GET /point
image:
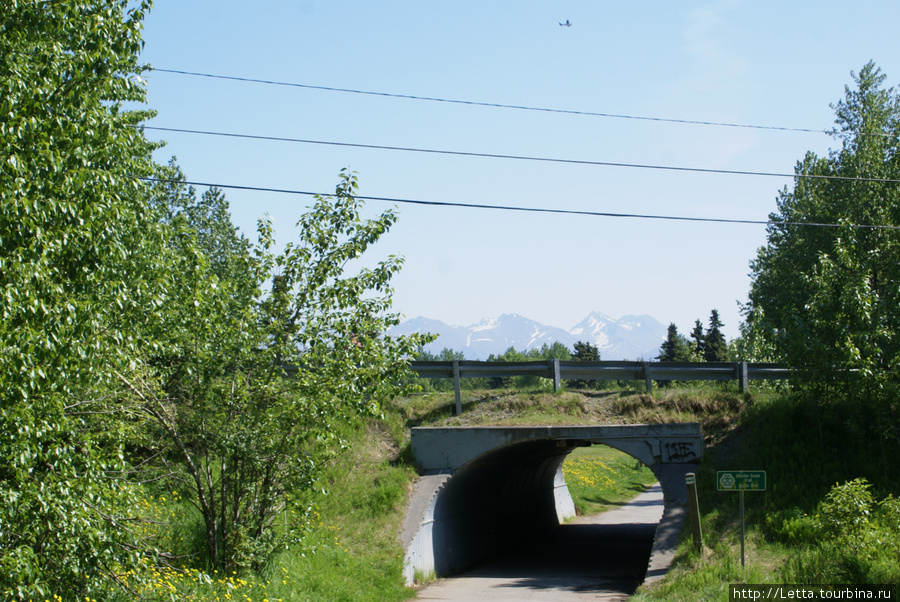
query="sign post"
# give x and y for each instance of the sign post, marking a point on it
(690, 481)
(741, 481)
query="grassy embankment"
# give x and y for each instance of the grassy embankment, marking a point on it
(799, 531)
(352, 550)
(601, 478)
(816, 523)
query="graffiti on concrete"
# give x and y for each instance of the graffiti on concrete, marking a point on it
(677, 452)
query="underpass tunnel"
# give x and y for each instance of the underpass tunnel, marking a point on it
(485, 490)
(511, 497)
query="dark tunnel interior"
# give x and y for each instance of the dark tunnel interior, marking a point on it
(499, 501)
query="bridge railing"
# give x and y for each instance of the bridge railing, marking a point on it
(559, 370)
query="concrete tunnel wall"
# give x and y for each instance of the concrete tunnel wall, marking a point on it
(509, 490)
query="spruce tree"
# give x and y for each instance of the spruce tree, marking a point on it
(675, 348)
(715, 348)
(697, 337)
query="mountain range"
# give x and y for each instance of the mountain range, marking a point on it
(626, 338)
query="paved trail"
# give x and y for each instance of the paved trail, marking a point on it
(600, 557)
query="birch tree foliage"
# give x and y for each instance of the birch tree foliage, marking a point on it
(135, 325)
(826, 300)
(258, 361)
(75, 280)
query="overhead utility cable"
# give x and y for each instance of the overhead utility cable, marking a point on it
(500, 105)
(515, 157)
(522, 209)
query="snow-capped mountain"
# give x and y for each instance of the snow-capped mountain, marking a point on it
(451, 337)
(628, 338)
(496, 335)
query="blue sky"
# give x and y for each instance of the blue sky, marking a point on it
(762, 63)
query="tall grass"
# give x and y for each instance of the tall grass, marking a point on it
(352, 550)
(828, 514)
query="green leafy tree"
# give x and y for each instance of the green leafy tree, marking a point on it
(510, 355)
(448, 355)
(548, 352)
(244, 395)
(536, 354)
(750, 345)
(675, 348)
(422, 355)
(556, 351)
(715, 347)
(825, 300)
(583, 352)
(77, 265)
(204, 224)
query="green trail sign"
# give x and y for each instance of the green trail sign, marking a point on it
(741, 480)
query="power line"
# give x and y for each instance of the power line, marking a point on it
(515, 157)
(519, 208)
(497, 105)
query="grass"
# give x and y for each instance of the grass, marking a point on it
(812, 457)
(715, 405)
(352, 550)
(601, 478)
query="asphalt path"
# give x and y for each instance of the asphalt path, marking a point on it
(600, 557)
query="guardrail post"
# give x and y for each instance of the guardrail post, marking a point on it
(557, 383)
(456, 387)
(743, 377)
(647, 380)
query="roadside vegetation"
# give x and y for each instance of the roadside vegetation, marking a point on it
(810, 526)
(350, 549)
(822, 300)
(829, 514)
(188, 414)
(176, 397)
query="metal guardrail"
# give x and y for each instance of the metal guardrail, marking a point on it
(558, 370)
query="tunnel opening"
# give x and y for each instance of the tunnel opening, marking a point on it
(498, 494)
(600, 477)
(511, 510)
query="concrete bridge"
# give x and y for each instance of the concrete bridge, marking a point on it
(487, 487)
